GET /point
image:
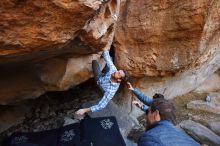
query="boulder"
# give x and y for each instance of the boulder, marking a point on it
(215, 126)
(213, 105)
(161, 37)
(200, 133)
(170, 47)
(49, 45)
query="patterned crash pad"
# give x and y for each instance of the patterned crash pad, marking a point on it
(65, 136)
(102, 131)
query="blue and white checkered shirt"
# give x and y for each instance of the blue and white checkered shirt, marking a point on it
(106, 84)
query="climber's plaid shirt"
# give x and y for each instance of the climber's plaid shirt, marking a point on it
(106, 84)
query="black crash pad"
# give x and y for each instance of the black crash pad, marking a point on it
(65, 136)
(102, 131)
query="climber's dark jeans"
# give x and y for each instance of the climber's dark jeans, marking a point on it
(97, 72)
(96, 69)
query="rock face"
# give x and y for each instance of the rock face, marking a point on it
(170, 46)
(161, 37)
(32, 26)
(32, 80)
(42, 28)
(211, 84)
(49, 45)
(175, 43)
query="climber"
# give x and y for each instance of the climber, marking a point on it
(108, 82)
